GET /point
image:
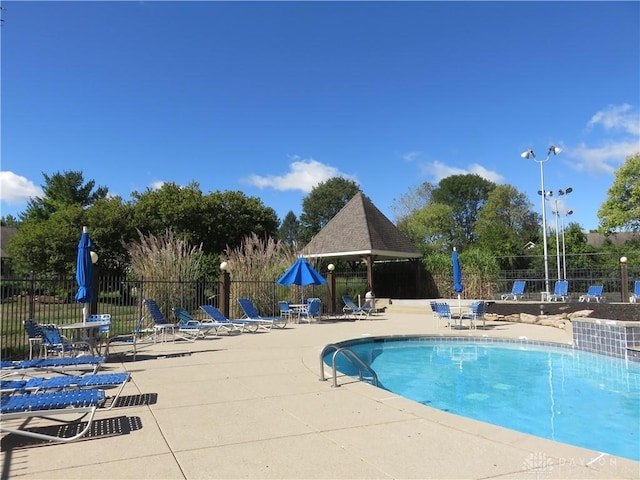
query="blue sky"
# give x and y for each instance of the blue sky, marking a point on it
(271, 98)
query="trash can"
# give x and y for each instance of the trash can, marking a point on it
(370, 300)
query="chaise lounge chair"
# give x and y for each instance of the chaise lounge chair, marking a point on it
(66, 382)
(50, 405)
(160, 324)
(242, 324)
(189, 325)
(251, 312)
(560, 291)
(57, 365)
(350, 308)
(517, 291)
(594, 292)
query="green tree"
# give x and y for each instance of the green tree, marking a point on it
(466, 194)
(621, 209)
(321, 205)
(216, 220)
(289, 231)
(505, 224)
(61, 190)
(48, 245)
(415, 199)
(9, 221)
(431, 228)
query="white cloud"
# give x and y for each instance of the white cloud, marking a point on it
(617, 117)
(303, 175)
(439, 170)
(622, 126)
(157, 185)
(15, 189)
(411, 156)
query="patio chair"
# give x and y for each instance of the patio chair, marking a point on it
(311, 311)
(635, 296)
(286, 311)
(560, 291)
(478, 309)
(66, 382)
(443, 312)
(50, 405)
(517, 291)
(242, 324)
(594, 292)
(160, 324)
(54, 342)
(101, 334)
(350, 308)
(251, 312)
(201, 329)
(34, 333)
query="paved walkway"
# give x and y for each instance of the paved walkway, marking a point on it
(251, 406)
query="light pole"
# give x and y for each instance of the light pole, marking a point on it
(556, 212)
(530, 154)
(564, 252)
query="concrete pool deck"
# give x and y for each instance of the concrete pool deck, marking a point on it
(252, 406)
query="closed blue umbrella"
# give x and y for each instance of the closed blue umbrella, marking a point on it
(84, 272)
(457, 277)
(301, 273)
(457, 273)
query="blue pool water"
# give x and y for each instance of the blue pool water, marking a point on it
(570, 396)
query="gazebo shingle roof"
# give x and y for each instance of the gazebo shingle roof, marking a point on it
(360, 230)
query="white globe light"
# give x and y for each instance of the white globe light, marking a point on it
(224, 266)
(94, 257)
(331, 267)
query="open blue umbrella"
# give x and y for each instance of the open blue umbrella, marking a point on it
(301, 273)
(84, 272)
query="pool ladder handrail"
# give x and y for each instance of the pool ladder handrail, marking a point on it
(349, 355)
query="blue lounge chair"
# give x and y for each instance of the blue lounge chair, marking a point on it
(560, 291)
(594, 292)
(350, 308)
(243, 324)
(66, 382)
(160, 324)
(57, 365)
(132, 339)
(189, 325)
(635, 296)
(251, 312)
(517, 291)
(17, 410)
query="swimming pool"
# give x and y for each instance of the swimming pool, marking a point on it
(562, 394)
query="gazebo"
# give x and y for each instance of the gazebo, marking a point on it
(361, 232)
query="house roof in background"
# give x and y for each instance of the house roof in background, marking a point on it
(360, 230)
(615, 238)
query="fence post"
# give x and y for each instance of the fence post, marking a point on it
(32, 296)
(625, 279)
(224, 288)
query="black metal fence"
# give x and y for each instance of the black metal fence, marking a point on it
(51, 300)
